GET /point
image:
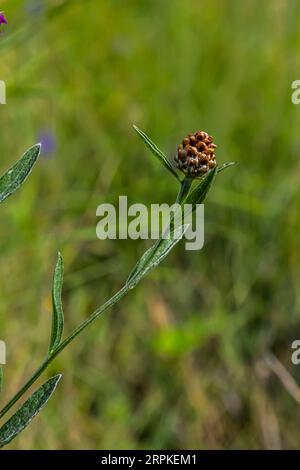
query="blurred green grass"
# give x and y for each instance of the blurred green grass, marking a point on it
(180, 363)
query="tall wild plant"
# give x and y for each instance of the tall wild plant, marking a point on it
(196, 159)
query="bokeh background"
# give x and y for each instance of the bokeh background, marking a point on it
(199, 355)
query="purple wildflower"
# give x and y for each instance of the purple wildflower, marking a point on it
(48, 142)
(3, 20)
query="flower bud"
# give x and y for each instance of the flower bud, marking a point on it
(195, 156)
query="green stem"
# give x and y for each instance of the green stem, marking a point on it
(112, 301)
(182, 193)
(184, 189)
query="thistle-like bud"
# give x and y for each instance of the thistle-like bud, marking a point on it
(195, 156)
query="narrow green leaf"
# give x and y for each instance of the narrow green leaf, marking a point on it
(224, 166)
(24, 415)
(57, 314)
(16, 175)
(141, 263)
(1, 378)
(155, 255)
(185, 187)
(164, 247)
(157, 152)
(198, 194)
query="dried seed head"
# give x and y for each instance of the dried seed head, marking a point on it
(196, 155)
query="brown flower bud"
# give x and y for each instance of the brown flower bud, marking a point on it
(195, 156)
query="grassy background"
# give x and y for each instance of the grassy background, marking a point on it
(188, 359)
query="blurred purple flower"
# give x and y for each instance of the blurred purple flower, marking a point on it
(3, 20)
(48, 143)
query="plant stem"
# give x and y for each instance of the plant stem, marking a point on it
(112, 301)
(183, 191)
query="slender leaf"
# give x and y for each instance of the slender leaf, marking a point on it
(224, 166)
(1, 378)
(141, 263)
(198, 194)
(57, 314)
(155, 255)
(185, 187)
(16, 175)
(24, 415)
(156, 152)
(163, 246)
